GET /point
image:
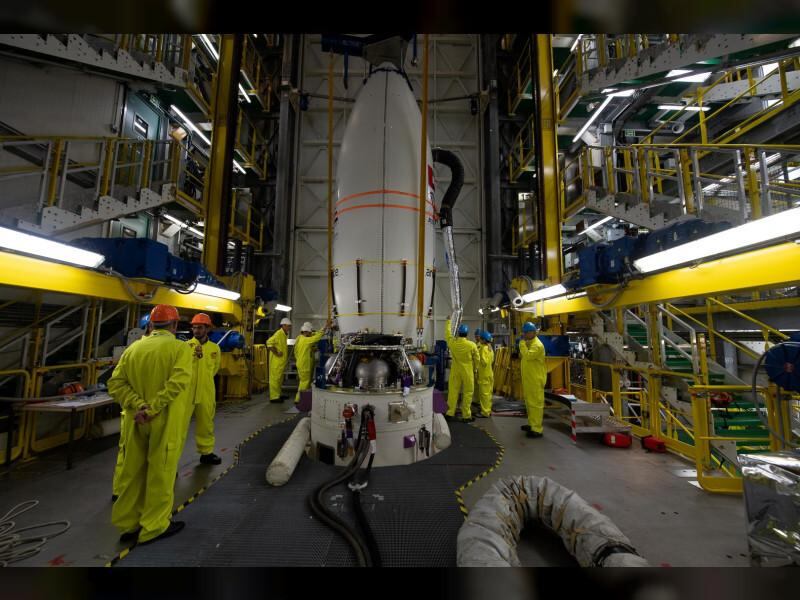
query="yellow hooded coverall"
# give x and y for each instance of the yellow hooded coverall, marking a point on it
(485, 378)
(202, 394)
(304, 358)
(277, 364)
(534, 376)
(156, 372)
(462, 372)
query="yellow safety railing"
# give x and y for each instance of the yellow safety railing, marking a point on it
(525, 230)
(258, 81)
(73, 171)
(251, 145)
(520, 82)
(522, 152)
(171, 50)
(746, 181)
(246, 224)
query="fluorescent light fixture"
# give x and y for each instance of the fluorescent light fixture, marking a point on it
(683, 107)
(597, 224)
(621, 94)
(575, 43)
(771, 103)
(768, 68)
(592, 119)
(239, 167)
(189, 124)
(544, 293)
(209, 290)
(255, 35)
(44, 248)
(283, 308)
(768, 229)
(555, 73)
(209, 45)
(246, 97)
(697, 78)
(247, 79)
(181, 224)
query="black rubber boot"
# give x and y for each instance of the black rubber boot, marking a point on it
(533, 434)
(210, 459)
(129, 536)
(174, 527)
(114, 497)
(525, 427)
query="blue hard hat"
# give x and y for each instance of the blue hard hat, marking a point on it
(478, 331)
(144, 321)
(463, 330)
(528, 327)
(486, 336)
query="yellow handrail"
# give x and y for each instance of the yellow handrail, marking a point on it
(761, 324)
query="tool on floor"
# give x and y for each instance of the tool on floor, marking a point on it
(14, 547)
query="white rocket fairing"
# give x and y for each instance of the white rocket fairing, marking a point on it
(376, 212)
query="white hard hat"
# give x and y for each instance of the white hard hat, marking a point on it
(306, 327)
(285, 321)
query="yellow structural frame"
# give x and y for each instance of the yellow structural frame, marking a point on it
(763, 268)
(34, 273)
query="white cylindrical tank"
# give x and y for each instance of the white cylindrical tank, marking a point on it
(376, 213)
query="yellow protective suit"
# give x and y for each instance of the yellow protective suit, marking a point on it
(485, 378)
(120, 456)
(464, 354)
(304, 358)
(155, 371)
(277, 364)
(202, 394)
(534, 375)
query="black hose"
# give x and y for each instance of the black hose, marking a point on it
(358, 286)
(316, 502)
(403, 292)
(433, 291)
(452, 161)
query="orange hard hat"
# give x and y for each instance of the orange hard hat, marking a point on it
(164, 313)
(202, 319)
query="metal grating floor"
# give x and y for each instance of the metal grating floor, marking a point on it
(243, 521)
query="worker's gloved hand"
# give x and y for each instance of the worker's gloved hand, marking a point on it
(277, 352)
(142, 417)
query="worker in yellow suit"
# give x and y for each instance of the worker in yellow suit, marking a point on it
(277, 357)
(151, 383)
(464, 354)
(121, 453)
(485, 374)
(205, 364)
(534, 376)
(304, 355)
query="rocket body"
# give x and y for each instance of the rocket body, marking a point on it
(376, 212)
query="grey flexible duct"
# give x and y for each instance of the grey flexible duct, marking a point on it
(489, 536)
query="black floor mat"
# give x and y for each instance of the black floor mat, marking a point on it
(243, 521)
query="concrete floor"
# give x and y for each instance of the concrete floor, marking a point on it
(669, 521)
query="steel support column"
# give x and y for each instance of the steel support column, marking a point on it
(224, 110)
(547, 158)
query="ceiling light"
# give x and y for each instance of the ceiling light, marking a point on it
(591, 120)
(246, 97)
(767, 229)
(622, 94)
(696, 78)
(795, 43)
(283, 308)
(189, 123)
(209, 290)
(44, 248)
(542, 294)
(575, 43)
(683, 107)
(239, 167)
(597, 224)
(209, 45)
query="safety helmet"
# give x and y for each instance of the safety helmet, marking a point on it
(286, 321)
(144, 321)
(307, 327)
(202, 319)
(463, 330)
(478, 332)
(529, 326)
(486, 336)
(164, 313)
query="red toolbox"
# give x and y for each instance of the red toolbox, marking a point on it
(617, 440)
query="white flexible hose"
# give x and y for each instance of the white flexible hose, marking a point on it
(281, 468)
(14, 547)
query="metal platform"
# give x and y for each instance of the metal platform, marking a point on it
(242, 521)
(586, 417)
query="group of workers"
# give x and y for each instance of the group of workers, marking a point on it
(160, 382)
(473, 362)
(278, 357)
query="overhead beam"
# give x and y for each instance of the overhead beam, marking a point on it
(33, 273)
(759, 269)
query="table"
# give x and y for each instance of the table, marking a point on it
(73, 405)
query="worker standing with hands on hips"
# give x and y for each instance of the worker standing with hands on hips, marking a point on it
(464, 354)
(206, 359)
(151, 383)
(534, 376)
(304, 354)
(485, 374)
(277, 357)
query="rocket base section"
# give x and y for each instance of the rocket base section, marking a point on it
(400, 423)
